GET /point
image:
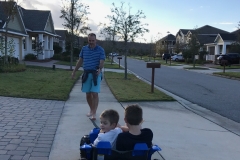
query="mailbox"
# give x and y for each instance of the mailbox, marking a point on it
(153, 65)
(119, 57)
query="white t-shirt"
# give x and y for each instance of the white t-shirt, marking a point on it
(108, 136)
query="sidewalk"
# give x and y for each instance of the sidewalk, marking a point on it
(183, 130)
(182, 134)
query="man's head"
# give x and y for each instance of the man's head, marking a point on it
(108, 120)
(92, 40)
(133, 114)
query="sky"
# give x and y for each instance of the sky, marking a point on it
(162, 16)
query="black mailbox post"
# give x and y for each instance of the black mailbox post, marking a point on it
(119, 58)
(153, 66)
(224, 62)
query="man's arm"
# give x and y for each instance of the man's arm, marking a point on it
(79, 64)
(101, 64)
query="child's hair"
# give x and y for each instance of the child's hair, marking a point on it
(133, 114)
(111, 115)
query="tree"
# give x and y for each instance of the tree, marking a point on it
(128, 26)
(235, 46)
(75, 18)
(194, 46)
(9, 9)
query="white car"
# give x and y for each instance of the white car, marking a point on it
(177, 57)
(113, 54)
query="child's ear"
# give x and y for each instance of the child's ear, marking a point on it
(125, 120)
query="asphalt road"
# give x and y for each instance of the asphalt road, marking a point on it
(217, 94)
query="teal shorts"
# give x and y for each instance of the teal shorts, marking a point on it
(88, 85)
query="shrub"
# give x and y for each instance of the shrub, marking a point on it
(56, 57)
(57, 49)
(30, 57)
(13, 68)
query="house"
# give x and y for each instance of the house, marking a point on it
(166, 44)
(31, 30)
(61, 39)
(220, 45)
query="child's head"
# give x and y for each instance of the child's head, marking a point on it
(109, 120)
(133, 114)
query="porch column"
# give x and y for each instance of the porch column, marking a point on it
(216, 53)
(40, 39)
(51, 47)
(224, 48)
(216, 50)
(46, 47)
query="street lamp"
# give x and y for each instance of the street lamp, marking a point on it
(167, 41)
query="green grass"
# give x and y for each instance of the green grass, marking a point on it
(107, 64)
(229, 74)
(197, 68)
(132, 89)
(38, 83)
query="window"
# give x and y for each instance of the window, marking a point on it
(24, 42)
(34, 41)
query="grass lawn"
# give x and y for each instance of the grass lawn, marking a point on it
(197, 68)
(38, 82)
(133, 89)
(107, 64)
(229, 74)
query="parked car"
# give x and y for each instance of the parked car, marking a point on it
(113, 54)
(166, 56)
(177, 57)
(231, 58)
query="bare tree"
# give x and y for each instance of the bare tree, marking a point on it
(75, 17)
(128, 26)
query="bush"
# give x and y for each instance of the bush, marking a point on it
(30, 57)
(66, 58)
(13, 68)
(57, 49)
(57, 57)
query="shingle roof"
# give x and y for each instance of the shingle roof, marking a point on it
(229, 37)
(61, 33)
(3, 16)
(35, 20)
(185, 31)
(169, 37)
(236, 32)
(204, 39)
(208, 30)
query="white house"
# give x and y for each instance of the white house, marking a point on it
(28, 28)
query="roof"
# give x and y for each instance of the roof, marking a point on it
(169, 37)
(208, 30)
(3, 16)
(204, 39)
(35, 20)
(236, 32)
(61, 33)
(229, 37)
(185, 31)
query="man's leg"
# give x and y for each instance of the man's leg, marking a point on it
(90, 103)
(95, 101)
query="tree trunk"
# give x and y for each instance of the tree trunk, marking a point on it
(125, 59)
(5, 43)
(72, 39)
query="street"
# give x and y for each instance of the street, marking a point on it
(217, 94)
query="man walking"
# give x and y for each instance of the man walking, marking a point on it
(92, 57)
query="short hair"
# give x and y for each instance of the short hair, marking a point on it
(110, 115)
(92, 34)
(133, 114)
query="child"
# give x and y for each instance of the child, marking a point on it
(133, 119)
(109, 127)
